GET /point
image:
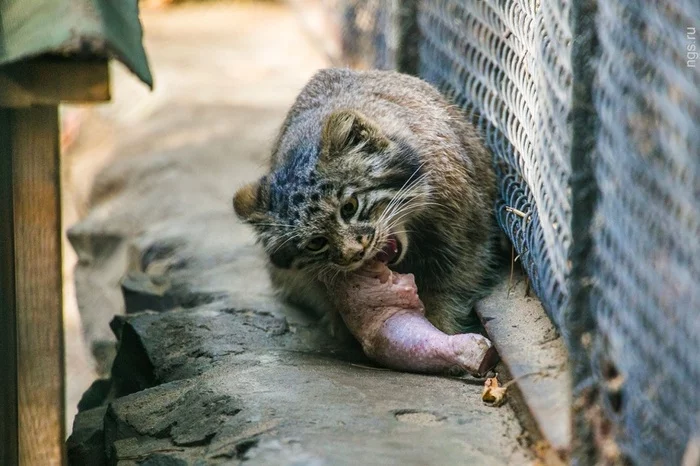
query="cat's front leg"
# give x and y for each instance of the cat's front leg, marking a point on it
(451, 311)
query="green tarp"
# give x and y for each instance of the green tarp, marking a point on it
(74, 28)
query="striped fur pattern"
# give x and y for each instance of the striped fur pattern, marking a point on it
(365, 156)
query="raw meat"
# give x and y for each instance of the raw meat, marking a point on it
(383, 311)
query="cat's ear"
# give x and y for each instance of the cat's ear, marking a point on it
(250, 202)
(347, 129)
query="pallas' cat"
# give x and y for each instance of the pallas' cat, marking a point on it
(377, 164)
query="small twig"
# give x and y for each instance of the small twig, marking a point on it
(529, 374)
(519, 213)
(494, 394)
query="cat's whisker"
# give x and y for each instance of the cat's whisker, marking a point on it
(278, 247)
(335, 275)
(412, 206)
(282, 225)
(402, 195)
(408, 209)
(407, 185)
(413, 198)
(401, 216)
(405, 204)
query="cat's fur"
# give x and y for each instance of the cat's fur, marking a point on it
(370, 134)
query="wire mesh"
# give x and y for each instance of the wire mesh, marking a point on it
(636, 247)
(645, 260)
(507, 64)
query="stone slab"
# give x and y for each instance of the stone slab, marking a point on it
(282, 405)
(534, 355)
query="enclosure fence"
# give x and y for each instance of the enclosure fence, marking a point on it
(592, 112)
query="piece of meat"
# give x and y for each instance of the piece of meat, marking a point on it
(383, 311)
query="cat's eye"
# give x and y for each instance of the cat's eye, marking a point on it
(349, 207)
(316, 244)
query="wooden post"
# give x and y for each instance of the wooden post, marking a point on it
(32, 379)
(32, 250)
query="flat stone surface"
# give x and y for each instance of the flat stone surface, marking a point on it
(325, 409)
(231, 375)
(535, 356)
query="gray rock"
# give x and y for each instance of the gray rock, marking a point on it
(132, 370)
(218, 385)
(144, 292)
(162, 347)
(307, 408)
(162, 459)
(96, 395)
(101, 263)
(188, 413)
(86, 445)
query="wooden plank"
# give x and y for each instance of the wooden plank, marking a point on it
(50, 81)
(36, 230)
(8, 318)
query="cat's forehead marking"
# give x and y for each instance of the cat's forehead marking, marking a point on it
(289, 193)
(312, 210)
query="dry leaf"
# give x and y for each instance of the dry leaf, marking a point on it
(493, 393)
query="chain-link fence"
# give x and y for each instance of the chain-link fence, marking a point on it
(644, 262)
(592, 112)
(510, 69)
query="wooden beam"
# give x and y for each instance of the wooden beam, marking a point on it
(50, 81)
(32, 300)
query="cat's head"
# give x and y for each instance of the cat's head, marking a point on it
(339, 200)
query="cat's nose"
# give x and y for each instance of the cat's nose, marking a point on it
(352, 254)
(364, 240)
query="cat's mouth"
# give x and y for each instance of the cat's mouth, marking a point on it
(391, 252)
